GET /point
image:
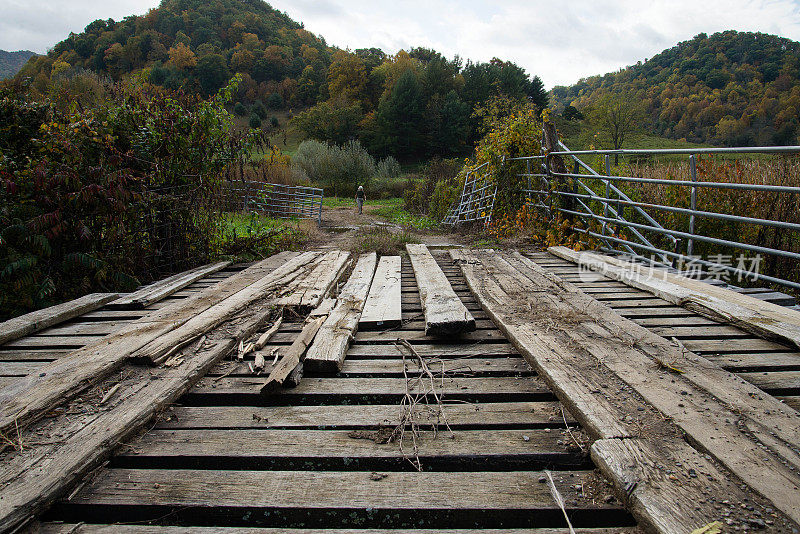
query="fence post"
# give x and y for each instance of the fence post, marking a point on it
(693, 204)
(321, 196)
(607, 170)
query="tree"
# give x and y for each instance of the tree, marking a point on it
(212, 72)
(399, 117)
(571, 113)
(335, 121)
(181, 57)
(616, 116)
(347, 76)
(255, 121)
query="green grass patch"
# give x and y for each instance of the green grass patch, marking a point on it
(247, 236)
(383, 241)
(393, 210)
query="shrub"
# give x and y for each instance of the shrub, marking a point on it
(387, 168)
(239, 109)
(259, 109)
(274, 101)
(342, 168)
(255, 121)
(274, 122)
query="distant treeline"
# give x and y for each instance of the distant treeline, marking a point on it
(415, 103)
(732, 88)
(11, 62)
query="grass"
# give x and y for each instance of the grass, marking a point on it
(383, 241)
(248, 236)
(393, 210)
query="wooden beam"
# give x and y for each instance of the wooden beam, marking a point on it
(759, 317)
(585, 350)
(160, 290)
(292, 357)
(330, 346)
(383, 305)
(33, 322)
(445, 314)
(29, 397)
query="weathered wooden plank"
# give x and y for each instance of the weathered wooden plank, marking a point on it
(758, 360)
(292, 357)
(279, 446)
(664, 482)
(27, 398)
(326, 387)
(294, 270)
(382, 308)
(716, 331)
(705, 401)
(475, 350)
(30, 323)
(92, 328)
(419, 336)
(757, 316)
(36, 342)
(312, 289)
(328, 352)
(156, 291)
(721, 346)
(32, 355)
(689, 320)
(782, 382)
(394, 367)
(479, 415)
(31, 481)
(20, 368)
(445, 314)
(72, 528)
(513, 490)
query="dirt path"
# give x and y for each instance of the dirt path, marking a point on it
(342, 227)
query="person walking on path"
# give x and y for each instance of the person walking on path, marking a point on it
(360, 198)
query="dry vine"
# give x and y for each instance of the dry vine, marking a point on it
(420, 390)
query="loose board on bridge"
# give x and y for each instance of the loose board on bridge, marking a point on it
(330, 346)
(761, 318)
(383, 306)
(312, 289)
(36, 321)
(27, 398)
(160, 290)
(445, 314)
(594, 359)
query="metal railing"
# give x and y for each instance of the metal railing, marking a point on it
(277, 200)
(476, 201)
(632, 227)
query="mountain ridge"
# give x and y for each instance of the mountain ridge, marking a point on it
(732, 88)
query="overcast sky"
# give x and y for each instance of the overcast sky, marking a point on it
(559, 41)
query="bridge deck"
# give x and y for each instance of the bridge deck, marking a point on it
(225, 458)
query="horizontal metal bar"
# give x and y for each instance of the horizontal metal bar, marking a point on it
(675, 233)
(699, 213)
(666, 151)
(688, 183)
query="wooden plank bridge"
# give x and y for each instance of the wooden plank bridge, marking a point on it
(555, 398)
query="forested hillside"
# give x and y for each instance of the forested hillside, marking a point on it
(732, 89)
(414, 104)
(11, 62)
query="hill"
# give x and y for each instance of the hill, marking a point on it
(413, 104)
(11, 62)
(732, 88)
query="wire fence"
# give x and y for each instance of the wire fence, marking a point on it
(276, 200)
